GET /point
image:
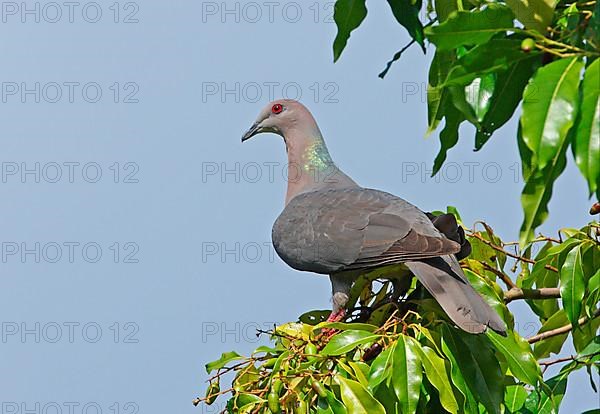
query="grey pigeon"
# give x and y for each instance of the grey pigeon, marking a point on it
(333, 226)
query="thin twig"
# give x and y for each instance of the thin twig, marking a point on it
(557, 361)
(514, 256)
(505, 278)
(562, 329)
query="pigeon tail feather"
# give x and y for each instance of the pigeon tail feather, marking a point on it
(443, 278)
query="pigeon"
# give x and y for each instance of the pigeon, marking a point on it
(331, 225)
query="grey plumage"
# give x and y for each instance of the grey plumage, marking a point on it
(343, 231)
(331, 225)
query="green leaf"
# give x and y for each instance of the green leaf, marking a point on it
(334, 404)
(494, 56)
(246, 400)
(572, 285)
(594, 296)
(591, 349)
(356, 398)
(479, 94)
(435, 370)
(407, 373)
(459, 100)
(361, 370)
(381, 369)
(545, 347)
(506, 97)
(226, 357)
(489, 291)
(386, 396)
(348, 15)
(557, 386)
(586, 142)
(584, 334)
(517, 352)
(478, 365)
(550, 107)
(406, 13)
(314, 317)
(448, 136)
(538, 191)
(469, 28)
(515, 397)
(341, 326)
(534, 14)
(437, 95)
(444, 9)
(346, 341)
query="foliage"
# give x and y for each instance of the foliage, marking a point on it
(402, 355)
(490, 56)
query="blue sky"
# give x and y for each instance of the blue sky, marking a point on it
(136, 226)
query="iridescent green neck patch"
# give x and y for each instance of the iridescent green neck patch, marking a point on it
(317, 157)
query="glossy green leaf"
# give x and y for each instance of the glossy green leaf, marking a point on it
(534, 14)
(335, 405)
(435, 370)
(557, 386)
(406, 13)
(386, 396)
(514, 398)
(586, 142)
(489, 291)
(448, 136)
(437, 95)
(478, 365)
(381, 368)
(494, 56)
(444, 9)
(538, 191)
(341, 326)
(458, 96)
(593, 298)
(346, 341)
(506, 97)
(550, 107)
(545, 347)
(356, 398)
(466, 28)
(226, 357)
(593, 348)
(572, 284)
(468, 401)
(479, 94)
(348, 15)
(407, 373)
(584, 334)
(517, 352)
(360, 370)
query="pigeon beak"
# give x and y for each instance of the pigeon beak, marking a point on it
(254, 129)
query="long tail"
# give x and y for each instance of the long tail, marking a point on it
(444, 279)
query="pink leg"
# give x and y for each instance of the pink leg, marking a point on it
(337, 316)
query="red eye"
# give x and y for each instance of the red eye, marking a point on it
(277, 108)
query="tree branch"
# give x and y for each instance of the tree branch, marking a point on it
(562, 329)
(541, 293)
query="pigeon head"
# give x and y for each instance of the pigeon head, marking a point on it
(310, 166)
(282, 117)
